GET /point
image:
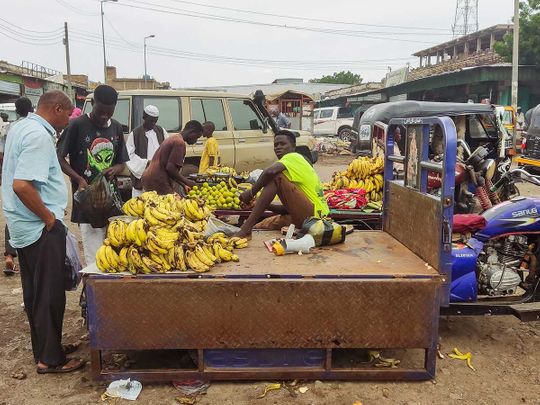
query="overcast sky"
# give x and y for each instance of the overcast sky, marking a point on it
(301, 51)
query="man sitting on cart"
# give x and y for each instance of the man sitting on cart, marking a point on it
(294, 181)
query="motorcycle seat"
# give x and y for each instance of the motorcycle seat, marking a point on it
(468, 223)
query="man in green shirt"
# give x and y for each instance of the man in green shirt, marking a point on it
(293, 180)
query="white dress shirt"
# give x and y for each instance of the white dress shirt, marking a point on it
(136, 164)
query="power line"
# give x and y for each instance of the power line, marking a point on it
(188, 13)
(305, 18)
(76, 10)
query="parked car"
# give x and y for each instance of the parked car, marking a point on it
(333, 121)
(530, 142)
(244, 129)
(9, 109)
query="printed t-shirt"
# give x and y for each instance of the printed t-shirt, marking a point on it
(91, 150)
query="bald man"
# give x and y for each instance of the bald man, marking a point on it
(34, 199)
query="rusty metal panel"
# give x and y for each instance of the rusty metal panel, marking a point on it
(134, 314)
(414, 219)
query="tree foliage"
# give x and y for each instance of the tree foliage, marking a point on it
(529, 37)
(342, 77)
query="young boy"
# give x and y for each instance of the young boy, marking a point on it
(210, 155)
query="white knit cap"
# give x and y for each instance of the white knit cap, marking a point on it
(151, 110)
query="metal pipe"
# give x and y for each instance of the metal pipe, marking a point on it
(515, 57)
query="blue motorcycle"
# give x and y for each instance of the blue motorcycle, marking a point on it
(495, 269)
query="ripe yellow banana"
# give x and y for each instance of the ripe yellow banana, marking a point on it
(201, 255)
(195, 264)
(112, 257)
(101, 259)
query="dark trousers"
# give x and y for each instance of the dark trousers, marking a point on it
(42, 275)
(9, 250)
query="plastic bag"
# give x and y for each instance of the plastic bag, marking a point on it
(254, 176)
(215, 225)
(99, 201)
(72, 263)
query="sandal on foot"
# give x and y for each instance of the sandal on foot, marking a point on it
(76, 365)
(11, 271)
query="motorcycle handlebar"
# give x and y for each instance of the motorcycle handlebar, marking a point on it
(531, 178)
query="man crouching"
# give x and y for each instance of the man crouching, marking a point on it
(294, 181)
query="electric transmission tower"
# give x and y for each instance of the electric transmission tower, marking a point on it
(466, 20)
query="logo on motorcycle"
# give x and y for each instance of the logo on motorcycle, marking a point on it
(532, 212)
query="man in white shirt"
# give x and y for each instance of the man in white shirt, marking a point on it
(141, 145)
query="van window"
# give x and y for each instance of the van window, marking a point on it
(121, 112)
(169, 111)
(244, 115)
(327, 113)
(204, 110)
(476, 129)
(317, 114)
(344, 112)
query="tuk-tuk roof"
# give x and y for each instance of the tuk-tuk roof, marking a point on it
(406, 109)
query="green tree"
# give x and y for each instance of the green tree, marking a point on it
(529, 37)
(342, 77)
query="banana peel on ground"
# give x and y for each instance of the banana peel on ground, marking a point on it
(460, 356)
(268, 388)
(379, 361)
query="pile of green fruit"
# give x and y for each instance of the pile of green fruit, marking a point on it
(218, 196)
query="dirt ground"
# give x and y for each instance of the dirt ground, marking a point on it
(505, 354)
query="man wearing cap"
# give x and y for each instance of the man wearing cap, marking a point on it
(141, 145)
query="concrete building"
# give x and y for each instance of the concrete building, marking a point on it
(128, 83)
(32, 80)
(466, 68)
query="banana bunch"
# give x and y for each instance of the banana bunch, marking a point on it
(167, 235)
(107, 259)
(364, 173)
(134, 207)
(195, 211)
(117, 233)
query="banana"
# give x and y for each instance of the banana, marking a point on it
(112, 257)
(192, 210)
(153, 246)
(215, 236)
(207, 249)
(241, 245)
(235, 258)
(140, 231)
(152, 265)
(160, 260)
(123, 259)
(195, 264)
(224, 254)
(101, 259)
(179, 257)
(201, 255)
(240, 242)
(150, 218)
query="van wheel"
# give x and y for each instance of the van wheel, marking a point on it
(345, 134)
(188, 169)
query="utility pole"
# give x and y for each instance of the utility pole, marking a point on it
(145, 72)
(68, 63)
(103, 39)
(515, 57)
